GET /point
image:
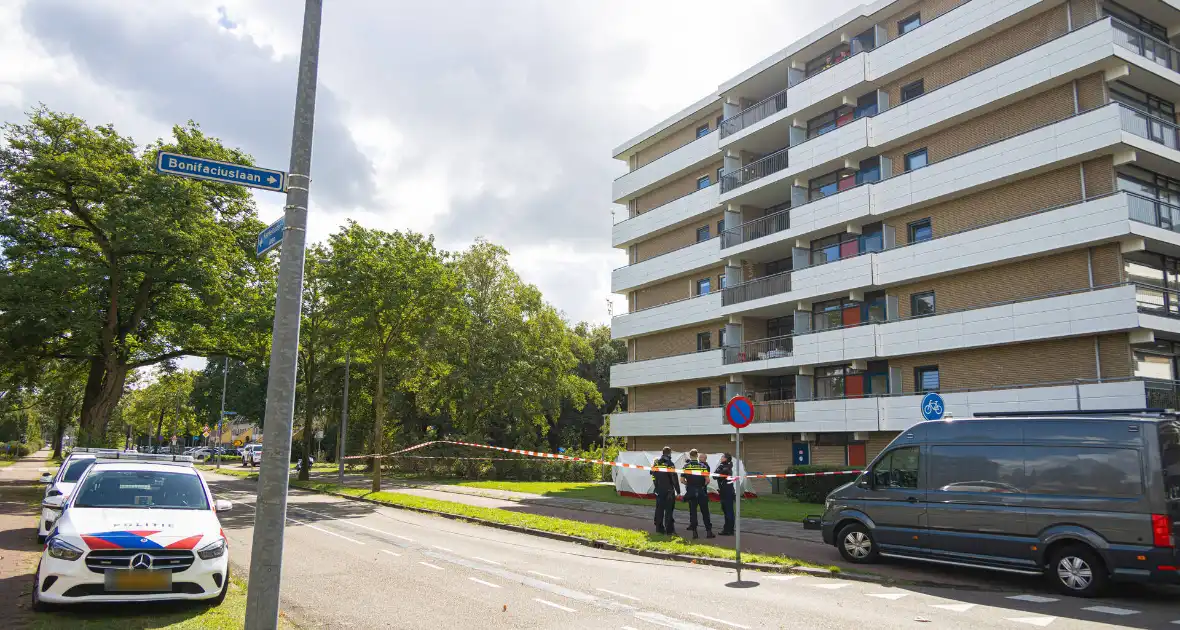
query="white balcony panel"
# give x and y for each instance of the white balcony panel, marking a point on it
(833, 145)
(844, 414)
(672, 214)
(831, 82)
(976, 20)
(667, 316)
(679, 262)
(1092, 312)
(810, 282)
(899, 413)
(674, 422)
(1035, 151)
(1054, 62)
(683, 159)
(831, 346)
(1153, 233)
(1158, 323)
(684, 367)
(1072, 226)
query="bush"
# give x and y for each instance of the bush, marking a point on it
(815, 489)
(16, 450)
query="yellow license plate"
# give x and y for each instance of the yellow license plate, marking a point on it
(122, 580)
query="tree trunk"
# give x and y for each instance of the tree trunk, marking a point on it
(58, 432)
(104, 388)
(378, 421)
(159, 427)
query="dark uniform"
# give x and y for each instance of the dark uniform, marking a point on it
(667, 487)
(726, 488)
(696, 492)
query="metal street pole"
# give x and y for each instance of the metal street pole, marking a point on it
(221, 418)
(737, 513)
(266, 554)
(343, 422)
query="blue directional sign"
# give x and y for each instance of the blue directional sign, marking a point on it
(221, 172)
(933, 407)
(271, 237)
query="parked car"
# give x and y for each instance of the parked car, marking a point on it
(1082, 499)
(62, 484)
(252, 455)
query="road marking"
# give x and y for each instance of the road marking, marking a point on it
(347, 522)
(955, 607)
(634, 599)
(889, 596)
(432, 566)
(628, 628)
(1036, 599)
(1034, 621)
(398, 555)
(721, 621)
(486, 560)
(320, 529)
(405, 538)
(1111, 610)
(830, 587)
(442, 549)
(557, 606)
(781, 578)
(479, 581)
(545, 575)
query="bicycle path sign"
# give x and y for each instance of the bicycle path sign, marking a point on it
(933, 406)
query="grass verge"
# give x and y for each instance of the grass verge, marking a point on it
(234, 471)
(775, 507)
(178, 616)
(629, 539)
(6, 462)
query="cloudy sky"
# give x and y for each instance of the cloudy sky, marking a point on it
(461, 118)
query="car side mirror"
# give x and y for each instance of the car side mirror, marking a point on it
(54, 502)
(221, 505)
(45, 478)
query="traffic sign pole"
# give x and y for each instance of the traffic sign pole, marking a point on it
(266, 554)
(737, 512)
(221, 418)
(343, 421)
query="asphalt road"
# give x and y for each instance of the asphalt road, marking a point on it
(349, 564)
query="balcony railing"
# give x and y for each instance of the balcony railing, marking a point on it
(754, 171)
(1137, 41)
(760, 350)
(754, 113)
(1156, 300)
(757, 288)
(766, 410)
(1146, 126)
(1151, 211)
(750, 230)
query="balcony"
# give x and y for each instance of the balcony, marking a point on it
(687, 259)
(756, 289)
(1145, 45)
(686, 312)
(753, 114)
(754, 171)
(648, 176)
(1146, 126)
(681, 367)
(675, 213)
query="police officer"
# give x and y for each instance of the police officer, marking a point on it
(667, 487)
(725, 488)
(696, 492)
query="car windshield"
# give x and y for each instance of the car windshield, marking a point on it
(76, 468)
(142, 489)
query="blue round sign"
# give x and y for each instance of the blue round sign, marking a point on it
(933, 407)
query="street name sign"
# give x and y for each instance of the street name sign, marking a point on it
(221, 172)
(271, 237)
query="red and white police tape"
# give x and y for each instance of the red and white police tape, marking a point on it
(603, 462)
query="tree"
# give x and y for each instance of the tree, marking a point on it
(513, 356)
(163, 403)
(59, 397)
(396, 296)
(108, 263)
(318, 348)
(245, 390)
(583, 428)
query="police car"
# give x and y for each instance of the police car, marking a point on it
(62, 483)
(138, 527)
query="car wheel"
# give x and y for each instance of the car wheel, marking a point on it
(38, 605)
(1077, 570)
(856, 544)
(216, 601)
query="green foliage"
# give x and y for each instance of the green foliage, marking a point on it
(107, 263)
(815, 489)
(245, 390)
(162, 409)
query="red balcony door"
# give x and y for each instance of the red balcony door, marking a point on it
(856, 455)
(854, 386)
(851, 315)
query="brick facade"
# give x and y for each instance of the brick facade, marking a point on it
(675, 239)
(674, 289)
(676, 395)
(675, 189)
(674, 342)
(926, 9)
(675, 140)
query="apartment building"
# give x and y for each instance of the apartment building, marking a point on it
(975, 197)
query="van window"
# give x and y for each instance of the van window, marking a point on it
(1083, 471)
(897, 469)
(1170, 457)
(993, 469)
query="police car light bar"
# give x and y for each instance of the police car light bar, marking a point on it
(94, 450)
(148, 457)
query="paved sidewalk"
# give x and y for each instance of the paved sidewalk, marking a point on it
(19, 551)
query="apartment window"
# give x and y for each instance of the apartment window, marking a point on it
(720, 226)
(778, 266)
(828, 59)
(1136, 20)
(719, 170)
(909, 24)
(704, 397)
(922, 304)
(920, 231)
(702, 233)
(915, 160)
(874, 307)
(702, 342)
(780, 387)
(828, 315)
(703, 130)
(720, 394)
(824, 123)
(830, 381)
(913, 90)
(780, 326)
(844, 245)
(719, 119)
(870, 171)
(926, 378)
(1143, 101)
(703, 182)
(831, 184)
(703, 286)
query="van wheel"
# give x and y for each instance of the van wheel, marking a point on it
(857, 545)
(1077, 570)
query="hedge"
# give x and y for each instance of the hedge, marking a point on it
(815, 489)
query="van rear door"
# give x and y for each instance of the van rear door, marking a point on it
(1169, 437)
